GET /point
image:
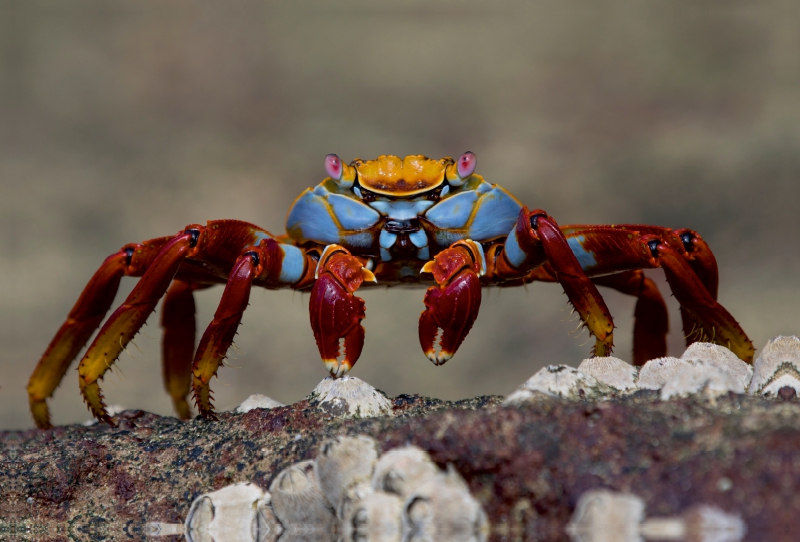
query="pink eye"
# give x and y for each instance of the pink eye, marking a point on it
(333, 166)
(466, 164)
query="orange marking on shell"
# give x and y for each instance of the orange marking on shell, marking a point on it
(391, 176)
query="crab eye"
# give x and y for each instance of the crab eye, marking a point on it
(333, 166)
(466, 164)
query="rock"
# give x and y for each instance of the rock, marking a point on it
(349, 396)
(257, 401)
(703, 377)
(618, 374)
(722, 358)
(777, 367)
(443, 509)
(299, 504)
(401, 470)
(236, 513)
(343, 462)
(560, 381)
(376, 519)
(657, 372)
(606, 516)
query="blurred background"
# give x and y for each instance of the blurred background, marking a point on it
(125, 121)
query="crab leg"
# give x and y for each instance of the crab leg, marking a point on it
(709, 320)
(536, 233)
(177, 347)
(651, 322)
(83, 319)
(125, 322)
(335, 311)
(452, 306)
(605, 250)
(218, 337)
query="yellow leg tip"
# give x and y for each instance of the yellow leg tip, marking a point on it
(41, 414)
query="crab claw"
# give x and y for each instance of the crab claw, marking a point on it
(452, 306)
(336, 313)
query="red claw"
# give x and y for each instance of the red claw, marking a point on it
(452, 306)
(336, 313)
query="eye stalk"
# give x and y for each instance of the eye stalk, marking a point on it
(333, 166)
(339, 172)
(458, 173)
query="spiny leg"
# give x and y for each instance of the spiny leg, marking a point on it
(270, 264)
(709, 321)
(177, 346)
(219, 335)
(612, 249)
(125, 322)
(87, 313)
(335, 311)
(651, 321)
(536, 231)
(452, 306)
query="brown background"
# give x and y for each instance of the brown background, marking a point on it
(125, 121)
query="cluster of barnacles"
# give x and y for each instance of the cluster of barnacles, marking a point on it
(704, 368)
(349, 493)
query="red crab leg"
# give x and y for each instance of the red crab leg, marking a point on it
(608, 250)
(123, 324)
(177, 347)
(536, 228)
(709, 320)
(83, 319)
(335, 311)
(651, 322)
(218, 337)
(452, 306)
(260, 265)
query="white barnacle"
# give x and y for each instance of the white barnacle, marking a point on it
(298, 502)
(376, 519)
(238, 513)
(723, 359)
(402, 470)
(614, 372)
(560, 381)
(343, 462)
(443, 509)
(777, 367)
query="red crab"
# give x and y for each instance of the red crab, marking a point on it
(381, 222)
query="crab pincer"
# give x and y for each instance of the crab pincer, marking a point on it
(452, 306)
(336, 313)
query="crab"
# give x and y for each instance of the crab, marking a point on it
(390, 221)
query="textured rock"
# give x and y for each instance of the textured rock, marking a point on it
(526, 465)
(618, 374)
(349, 396)
(559, 381)
(777, 367)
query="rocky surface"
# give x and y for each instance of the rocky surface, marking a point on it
(527, 464)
